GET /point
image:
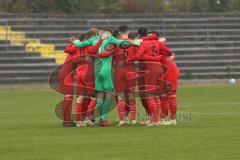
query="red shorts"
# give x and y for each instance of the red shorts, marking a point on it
(123, 81)
(172, 75)
(85, 79)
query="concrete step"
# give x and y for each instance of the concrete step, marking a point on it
(203, 69)
(23, 80)
(11, 48)
(25, 73)
(133, 26)
(201, 26)
(210, 75)
(222, 32)
(28, 66)
(203, 44)
(206, 32)
(170, 39)
(228, 56)
(22, 60)
(18, 54)
(4, 42)
(203, 38)
(209, 63)
(49, 27)
(212, 50)
(60, 40)
(55, 34)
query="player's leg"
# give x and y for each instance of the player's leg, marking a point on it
(131, 102)
(173, 109)
(164, 108)
(151, 86)
(66, 88)
(120, 87)
(79, 110)
(172, 96)
(142, 95)
(130, 92)
(107, 82)
(100, 95)
(90, 112)
(66, 109)
(121, 108)
(173, 104)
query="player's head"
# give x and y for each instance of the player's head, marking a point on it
(123, 30)
(142, 32)
(108, 31)
(154, 32)
(100, 32)
(91, 34)
(116, 33)
(82, 36)
(94, 30)
(133, 35)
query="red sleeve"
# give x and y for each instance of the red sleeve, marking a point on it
(141, 51)
(150, 37)
(94, 49)
(111, 50)
(70, 49)
(167, 51)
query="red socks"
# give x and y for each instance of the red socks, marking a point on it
(164, 107)
(67, 108)
(132, 109)
(158, 102)
(145, 105)
(91, 108)
(153, 109)
(79, 111)
(173, 107)
(121, 109)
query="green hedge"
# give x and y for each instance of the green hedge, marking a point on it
(118, 6)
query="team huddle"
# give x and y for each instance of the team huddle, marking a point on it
(103, 66)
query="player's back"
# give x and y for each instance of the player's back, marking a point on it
(150, 48)
(122, 53)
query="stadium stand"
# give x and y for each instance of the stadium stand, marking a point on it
(207, 46)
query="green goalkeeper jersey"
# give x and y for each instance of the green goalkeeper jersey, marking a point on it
(103, 66)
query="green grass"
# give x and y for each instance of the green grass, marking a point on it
(29, 129)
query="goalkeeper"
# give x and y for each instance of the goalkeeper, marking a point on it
(103, 73)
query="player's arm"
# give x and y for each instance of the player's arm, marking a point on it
(86, 43)
(96, 47)
(168, 52)
(110, 51)
(119, 42)
(70, 49)
(139, 53)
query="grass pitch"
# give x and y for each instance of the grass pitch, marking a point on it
(29, 129)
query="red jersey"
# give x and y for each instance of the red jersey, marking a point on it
(124, 54)
(71, 50)
(151, 45)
